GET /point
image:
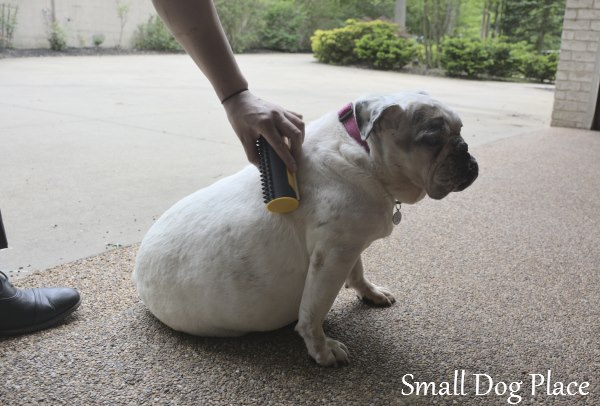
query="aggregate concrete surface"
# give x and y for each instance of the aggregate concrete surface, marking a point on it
(502, 279)
(93, 149)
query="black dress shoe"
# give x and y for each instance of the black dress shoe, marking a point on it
(27, 310)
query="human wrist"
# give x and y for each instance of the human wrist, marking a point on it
(234, 94)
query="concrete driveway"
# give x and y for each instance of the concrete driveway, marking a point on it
(95, 148)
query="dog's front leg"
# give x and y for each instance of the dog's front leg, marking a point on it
(365, 290)
(326, 274)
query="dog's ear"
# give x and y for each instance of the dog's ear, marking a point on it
(369, 112)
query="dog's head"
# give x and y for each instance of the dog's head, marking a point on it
(417, 138)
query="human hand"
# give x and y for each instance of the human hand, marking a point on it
(252, 117)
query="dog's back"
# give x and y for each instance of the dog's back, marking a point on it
(210, 246)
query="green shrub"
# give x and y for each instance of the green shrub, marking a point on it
(496, 58)
(503, 61)
(97, 39)
(370, 43)
(284, 27)
(8, 22)
(57, 37)
(335, 46)
(154, 36)
(385, 51)
(241, 21)
(464, 56)
(540, 67)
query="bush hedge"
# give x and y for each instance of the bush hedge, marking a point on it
(503, 62)
(496, 57)
(154, 36)
(57, 37)
(241, 20)
(462, 56)
(541, 67)
(284, 27)
(375, 44)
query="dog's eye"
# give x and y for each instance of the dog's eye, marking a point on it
(436, 124)
(430, 139)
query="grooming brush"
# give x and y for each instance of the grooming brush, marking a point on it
(280, 189)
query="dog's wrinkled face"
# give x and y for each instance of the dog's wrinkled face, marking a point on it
(419, 138)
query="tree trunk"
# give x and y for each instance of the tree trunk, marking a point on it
(452, 10)
(485, 20)
(539, 44)
(427, 33)
(400, 13)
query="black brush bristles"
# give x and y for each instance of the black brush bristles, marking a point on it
(280, 190)
(266, 178)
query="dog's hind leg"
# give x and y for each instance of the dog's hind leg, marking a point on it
(365, 290)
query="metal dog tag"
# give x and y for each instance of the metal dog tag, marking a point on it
(397, 217)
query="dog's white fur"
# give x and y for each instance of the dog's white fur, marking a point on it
(218, 263)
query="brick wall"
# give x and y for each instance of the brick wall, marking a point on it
(578, 76)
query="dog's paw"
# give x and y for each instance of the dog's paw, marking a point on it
(332, 354)
(376, 296)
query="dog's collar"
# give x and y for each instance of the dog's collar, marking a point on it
(346, 117)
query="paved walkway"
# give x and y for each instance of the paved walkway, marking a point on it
(502, 279)
(94, 148)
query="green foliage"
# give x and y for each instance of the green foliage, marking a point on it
(496, 58)
(541, 67)
(369, 43)
(371, 9)
(97, 39)
(284, 27)
(241, 21)
(464, 56)
(504, 57)
(57, 37)
(537, 22)
(154, 36)
(383, 49)
(431, 21)
(287, 25)
(123, 10)
(8, 22)
(337, 46)
(469, 18)
(328, 14)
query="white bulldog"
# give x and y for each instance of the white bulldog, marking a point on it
(218, 263)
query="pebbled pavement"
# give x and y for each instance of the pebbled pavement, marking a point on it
(502, 279)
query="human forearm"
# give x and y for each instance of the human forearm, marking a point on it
(195, 24)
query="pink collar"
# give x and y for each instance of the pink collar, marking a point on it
(346, 117)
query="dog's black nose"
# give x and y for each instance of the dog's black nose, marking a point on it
(473, 166)
(460, 146)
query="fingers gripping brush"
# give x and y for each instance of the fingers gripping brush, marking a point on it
(280, 189)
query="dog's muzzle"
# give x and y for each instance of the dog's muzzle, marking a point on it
(469, 174)
(458, 171)
(465, 166)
